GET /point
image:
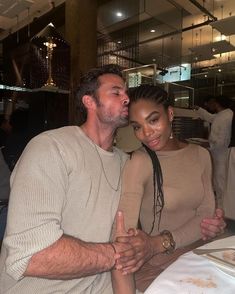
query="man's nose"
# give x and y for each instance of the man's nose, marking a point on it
(126, 99)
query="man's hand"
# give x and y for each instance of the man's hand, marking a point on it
(212, 227)
(142, 249)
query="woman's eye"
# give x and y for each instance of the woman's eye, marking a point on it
(116, 93)
(135, 128)
(154, 120)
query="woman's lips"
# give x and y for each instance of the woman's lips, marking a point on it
(153, 143)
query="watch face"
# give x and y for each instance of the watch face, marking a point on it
(166, 244)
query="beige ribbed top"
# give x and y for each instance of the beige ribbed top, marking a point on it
(187, 191)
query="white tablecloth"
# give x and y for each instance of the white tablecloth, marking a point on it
(193, 274)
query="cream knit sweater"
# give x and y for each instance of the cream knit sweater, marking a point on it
(59, 187)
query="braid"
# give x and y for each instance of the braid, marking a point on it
(158, 196)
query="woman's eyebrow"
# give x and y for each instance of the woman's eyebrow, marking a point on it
(148, 117)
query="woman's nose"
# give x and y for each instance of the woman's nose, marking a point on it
(148, 131)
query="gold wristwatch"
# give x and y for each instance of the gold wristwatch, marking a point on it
(168, 241)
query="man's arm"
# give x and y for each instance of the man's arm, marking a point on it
(70, 258)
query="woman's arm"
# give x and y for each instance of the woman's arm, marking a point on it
(191, 231)
(131, 196)
(121, 283)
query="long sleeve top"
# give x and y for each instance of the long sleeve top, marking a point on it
(187, 188)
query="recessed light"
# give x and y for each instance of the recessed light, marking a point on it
(119, 14)
(119, 42)
(219, 70)
(154, 59)
(152, 31)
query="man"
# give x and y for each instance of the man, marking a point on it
(65, 193)
(219, 139)
(64, 196)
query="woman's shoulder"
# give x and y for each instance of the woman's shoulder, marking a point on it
(138, 159)
(139, 165)
(139, 155)
(201, 153)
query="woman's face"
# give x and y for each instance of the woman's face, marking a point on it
(151, 123)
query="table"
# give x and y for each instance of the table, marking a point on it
(194, 274)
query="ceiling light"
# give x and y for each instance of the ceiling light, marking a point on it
(152, 31)
(119, 42)
(219, 70)
(119, 14)
(205, 76)
(154, 59)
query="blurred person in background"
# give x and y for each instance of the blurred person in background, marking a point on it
(220, 117)
(229, 195)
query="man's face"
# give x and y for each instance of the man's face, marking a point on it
(112, 106)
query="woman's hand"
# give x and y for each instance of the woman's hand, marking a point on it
(212, 227)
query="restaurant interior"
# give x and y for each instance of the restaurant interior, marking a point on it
(185, 46)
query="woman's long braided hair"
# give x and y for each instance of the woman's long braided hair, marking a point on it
(157, 95)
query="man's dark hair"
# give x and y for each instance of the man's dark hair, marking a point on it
(90, 83)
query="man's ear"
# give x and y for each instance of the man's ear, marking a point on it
(88, 102)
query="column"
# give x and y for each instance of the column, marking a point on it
(80, 32)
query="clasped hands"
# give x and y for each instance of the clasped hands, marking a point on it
(134, 247)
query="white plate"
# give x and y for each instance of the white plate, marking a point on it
(217, 258)
(221, 263)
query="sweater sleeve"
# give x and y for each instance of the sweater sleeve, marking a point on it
(190, 232)
(38, 190)
(135, 175)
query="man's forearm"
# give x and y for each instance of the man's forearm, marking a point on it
(70, 258)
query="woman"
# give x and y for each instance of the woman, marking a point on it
(166, 185)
